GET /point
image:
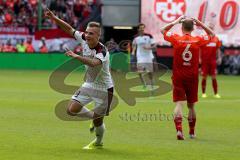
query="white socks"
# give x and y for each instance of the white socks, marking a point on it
(99, 133)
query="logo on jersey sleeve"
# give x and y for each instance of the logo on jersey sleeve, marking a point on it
(169, 34)
(169, 10)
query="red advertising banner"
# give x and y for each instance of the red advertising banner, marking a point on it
(223, 13)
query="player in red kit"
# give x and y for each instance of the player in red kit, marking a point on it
(185, 68)
(210, 56)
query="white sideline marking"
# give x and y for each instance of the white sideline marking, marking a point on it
(148, 100)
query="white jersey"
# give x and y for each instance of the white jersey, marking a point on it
(141, 41)
(98, 77)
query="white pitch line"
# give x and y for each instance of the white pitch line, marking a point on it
(199, 101)
(170, 101)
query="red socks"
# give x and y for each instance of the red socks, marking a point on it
(204, 82)
(215, 86)
(178, 123)
(191, 123)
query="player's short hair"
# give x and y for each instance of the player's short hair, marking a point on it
(188, 25)
(94, 24)
(141, 24)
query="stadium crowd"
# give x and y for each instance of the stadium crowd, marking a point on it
(24, 13)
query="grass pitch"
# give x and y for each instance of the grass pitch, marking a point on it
(29, 128)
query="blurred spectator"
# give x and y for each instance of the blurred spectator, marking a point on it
(58, 6)
(8, 18)
(20, 47)
(230, 64)
(10, 3)
(55, 47)
(8, 47)
(63, 47)
(25, 12)
(33, 3)
(1, 46)
(2, 19)
(78, 7)
(234, 64)
(29, 46)
(42, 46)
(86, 12)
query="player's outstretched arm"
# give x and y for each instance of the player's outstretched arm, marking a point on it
(63, 25)
(92, 62)
(170, 25)
(204, 27)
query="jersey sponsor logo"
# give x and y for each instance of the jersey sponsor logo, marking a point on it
(212, 44)
(169, 10)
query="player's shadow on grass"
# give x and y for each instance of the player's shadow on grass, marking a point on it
(104, 153)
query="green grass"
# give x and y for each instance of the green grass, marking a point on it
(29, 128)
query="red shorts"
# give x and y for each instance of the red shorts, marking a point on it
(185, 89)
(209, 69)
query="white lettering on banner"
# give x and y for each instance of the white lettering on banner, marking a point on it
(224, 14)
(177, 8)
(161, 7)
(14, 30)
(169, 10)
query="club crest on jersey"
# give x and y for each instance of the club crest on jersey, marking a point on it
(169, 10)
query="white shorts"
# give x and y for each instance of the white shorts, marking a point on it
(102, 99)
(145, 67)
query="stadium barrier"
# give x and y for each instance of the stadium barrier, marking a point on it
(119, 61)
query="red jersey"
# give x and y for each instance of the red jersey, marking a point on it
(186, 53)
(209, 51)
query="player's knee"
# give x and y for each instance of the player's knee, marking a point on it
(179, 104)
(98, 122)
(190, 105)
(213, 77)
(204, 77)
(73, 108)
(70, 112)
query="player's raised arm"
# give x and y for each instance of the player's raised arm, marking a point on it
(204, 27)
(170, 25)
(63, 25)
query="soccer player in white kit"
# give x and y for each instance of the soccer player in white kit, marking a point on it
(142, 45)
(98, 85)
